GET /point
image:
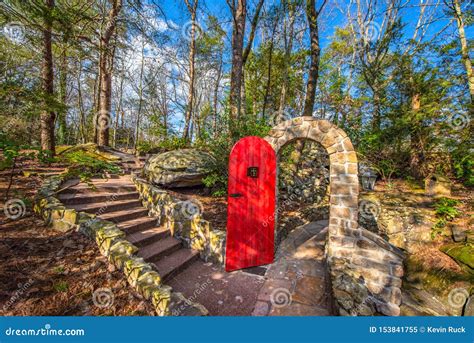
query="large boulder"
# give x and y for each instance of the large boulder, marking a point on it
(179, 168)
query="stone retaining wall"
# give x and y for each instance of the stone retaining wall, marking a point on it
(184, 223)
(112, 244)
(365, 270)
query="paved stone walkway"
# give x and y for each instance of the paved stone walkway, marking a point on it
(297, 283)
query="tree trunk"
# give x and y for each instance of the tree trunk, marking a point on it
(119, 108)
(106, 60)
(288, 50)
(140, 100)
(80, 105)
(62, 124)
(192, 54)
(47, 75)
(416, 141)
(216, 94)
(464, 50)
(96, 102)
(312, 16)
(376, 121)
(238, 32)
(269, 70)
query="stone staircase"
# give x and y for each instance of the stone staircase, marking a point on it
(116, 200)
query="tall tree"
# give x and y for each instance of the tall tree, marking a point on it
(312, 15)
(239, 13)
(248, 48)
(455, 6)
(140, 98)
(372, 42)
(289, 29)
(192, 8)
(47, 77)
(106, 64)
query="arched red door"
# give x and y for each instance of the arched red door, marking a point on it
(251, 204)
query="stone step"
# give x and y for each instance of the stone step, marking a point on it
(138, 224)
(125, 215)
(146, 237)
(106, 187)
(109, 176)
(107, 206)
(171, 265)
(154, 251)
(80, 198)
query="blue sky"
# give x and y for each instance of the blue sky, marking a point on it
(176, 15)
(176, 11)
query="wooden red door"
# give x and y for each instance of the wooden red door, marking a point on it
(251, 204)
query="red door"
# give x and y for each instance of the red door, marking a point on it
(251, 204)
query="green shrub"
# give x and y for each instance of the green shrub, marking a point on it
(446, 211)
(464, 169)
(445, 208)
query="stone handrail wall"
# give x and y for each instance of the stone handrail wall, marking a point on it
(195, 232)
(365, 270)
(113, 245)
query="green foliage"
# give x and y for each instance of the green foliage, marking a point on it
(85, 164)
(11, 152)
(61, 286)
(217, 182)
(463, 164)
(59, 270)
(46, 156)
(446, 211)
(221, 146)
(446, 208)
(172, 143)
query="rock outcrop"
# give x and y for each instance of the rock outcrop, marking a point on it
(178, 168)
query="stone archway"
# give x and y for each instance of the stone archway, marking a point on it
(365, 270)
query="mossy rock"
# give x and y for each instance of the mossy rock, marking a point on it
(461, 253)
(179, 168)
(90, 149)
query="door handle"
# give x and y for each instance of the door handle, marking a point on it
(235, 195)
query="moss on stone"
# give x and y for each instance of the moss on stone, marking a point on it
(462, 253)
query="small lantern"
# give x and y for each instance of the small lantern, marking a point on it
(368, 180)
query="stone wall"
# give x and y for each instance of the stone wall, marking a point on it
(365, 270)
(113, 245)
(184, 223)
(309, 183)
